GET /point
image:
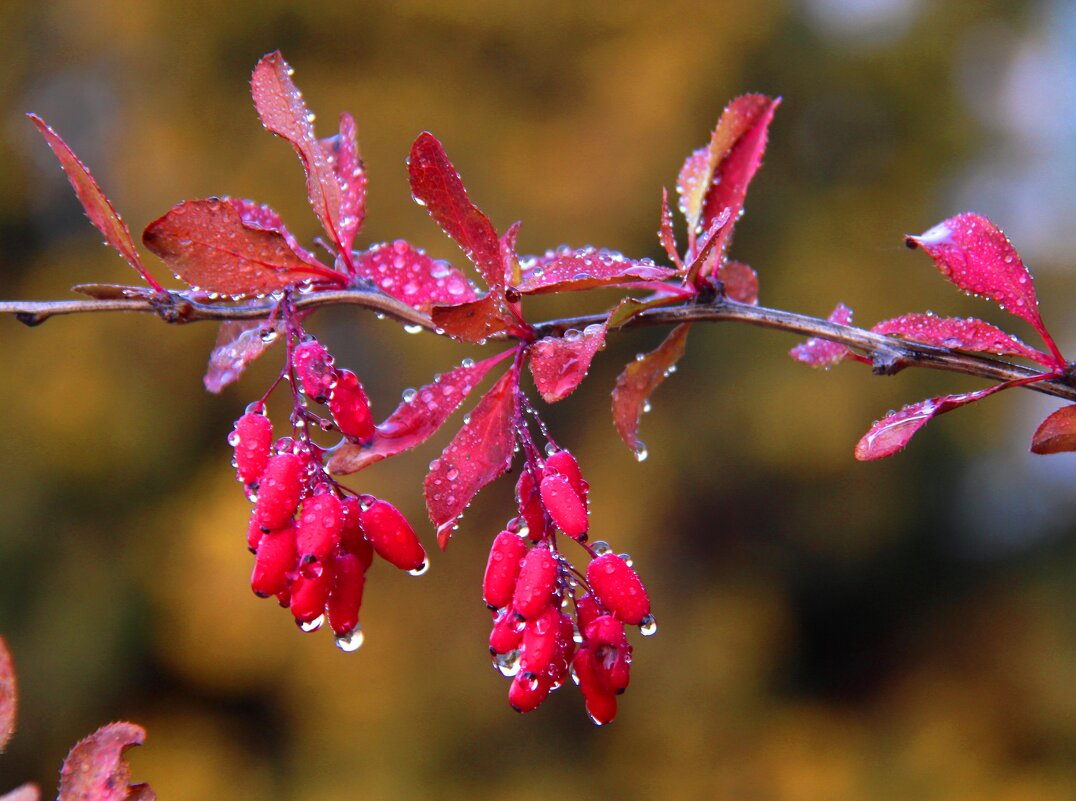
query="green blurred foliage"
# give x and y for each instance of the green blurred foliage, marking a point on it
(828, 630)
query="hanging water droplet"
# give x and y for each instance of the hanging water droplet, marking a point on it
(507, 664)
(601, 547)
(641, 452)
(312, 625)
(421, 569)
(626, 558)
(648, 626)
(412, 329)
(352, 641)
(647, 407)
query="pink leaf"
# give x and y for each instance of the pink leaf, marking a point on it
(207, 244)
(436, 184)
(740, 281)
(639, 380)
(408, 274)
(818, 352)
(96, 771)
(975, 255)
(8, 695)
(1057, 433)
(707, 255)
(342, 154)
(93, 200)
(239, 342)
(967, 334)
(476, 320)
(259, 215)
(665, 233)
(480, 452)
(559, 364)
(282, 110)
(892, 432)
(416, 419)
(692, 185)
(567, 270)
(25, 792)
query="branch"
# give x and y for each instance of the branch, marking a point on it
(888, 355)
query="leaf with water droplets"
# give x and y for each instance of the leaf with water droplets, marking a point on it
(890, 434)
(239, 342)
(342, 154)
(437, 185)
(818, 352)
(113, 291)
(263, 217)
(1057, 433)
(95, 770)
(8, 695)
(715, 178)
(559, 364)
(740, 282)
(207, 244)
(665, 233)
(283, 111)
(410, 275)
(568, 270)
(970, 334)
(639, 380)
(480, 452)
(476, 320)
(416, 419)
(97, 206)
(976, 255)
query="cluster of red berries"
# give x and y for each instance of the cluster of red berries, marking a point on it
(312, 538)
(532, 589)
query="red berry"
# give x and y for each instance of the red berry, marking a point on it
(606, 630)
(567, 509)
(314, 368)
(526, 693)
(530, 506)
(586, 609)
(540, 641)
(601, 706)
(558, 670)
(537, 580)
(618, 588)
(600, 700)
(309, 594)
(502, 569)
(348, 580)
(274, 562)
(251, 439)
(507, 633)
(279, 490)
(606, 639)
(320, 523)
(254, 535)
(392, 536)
(564, 463)
(350, 408)
(352, 539)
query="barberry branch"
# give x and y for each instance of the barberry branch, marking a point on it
(888, 355)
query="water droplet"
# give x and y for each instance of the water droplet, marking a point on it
(507, 664)
(648, 626)
(312, 625)
(421, 569)
(409, 395)
(626, 558)
(641, 452)
(412, 329)
(352, 641)
(601, 547)
(647, 407)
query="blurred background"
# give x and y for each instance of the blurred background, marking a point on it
(828, 630)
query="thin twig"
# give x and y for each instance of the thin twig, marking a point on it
(889, 355)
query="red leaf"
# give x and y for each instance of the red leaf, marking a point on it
(259, 215)
(567, 270)
(96, 771)
(692, 185)
(416, 419)
(638, 380)
(476, 320)
(93, 200)
(740, 281)
(967, 334)
(1057, 433)
(975, 255)
(559, 364)
(282, 110)
(480, 452)
(239, 342)
(8, 695)
(436, 184)
(408, 274)
(207, 244)
(342, 154)
(707, 255)
(665, 233)
(892, 432)
(818, 352)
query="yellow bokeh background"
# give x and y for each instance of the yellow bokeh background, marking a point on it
(829, 630)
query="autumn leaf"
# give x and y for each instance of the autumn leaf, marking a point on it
(970, 334)
(476, 320)
(410, 275)
(567, 270)
(95, 770)
(740, 282)
(239, 342)
(559, 364)
(639, 380)
(1057, 433)
(342, 154)
(819, 352)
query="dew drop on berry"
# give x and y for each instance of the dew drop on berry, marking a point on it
(311, 625)
(641, 453)
(421, 569)
(412, 329)
(648, 626)
(507, 664)
(352, 641)
(627, 559)
(409, 395)
(601, 547)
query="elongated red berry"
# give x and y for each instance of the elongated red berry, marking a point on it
(618, 588)
(540, 641)
(279, 490)
(564, 505)
(537, 580)
(527, 692)
(254, 535)
(507, 633)
(251, 440)
(586, 609)
(309, 594)
(349, 578)
(600, 700)
(502, 569)
(350, 408)
(530, 506)
(275, 561)
(606, 630)
(392, 536)
(314, 368)
(558, 669)
(320, 523)
(564, 463)
(352, 540)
